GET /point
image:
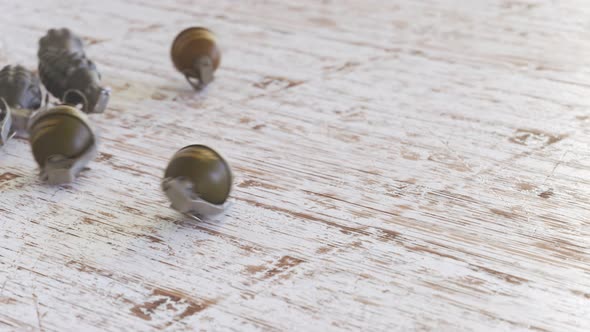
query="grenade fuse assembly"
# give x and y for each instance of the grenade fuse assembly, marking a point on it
(62, 142)
(68, 74)
(196, 55)
(197, 181)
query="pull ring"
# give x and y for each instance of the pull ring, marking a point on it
(85, 105)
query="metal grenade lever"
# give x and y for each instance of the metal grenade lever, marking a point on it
(5, 123)
(180, 193)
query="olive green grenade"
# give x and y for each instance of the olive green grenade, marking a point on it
(68, 74)
(196, 55)
(62, 142)
(20, 92)
(198, 181)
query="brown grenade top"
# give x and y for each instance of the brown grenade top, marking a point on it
(190, 47)
(60, 131)
(205, 169)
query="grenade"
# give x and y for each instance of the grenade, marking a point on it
(197, 181)
(68, 74)
(21, 91)
(62, 142)
(195, 54)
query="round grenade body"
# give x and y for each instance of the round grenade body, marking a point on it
(20, 88)
(21, 91)
(198, 181)
(195, 53)
(62, 142)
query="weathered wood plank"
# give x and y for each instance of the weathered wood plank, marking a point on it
(399, 166)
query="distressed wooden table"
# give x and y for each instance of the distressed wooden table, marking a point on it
(399, 165)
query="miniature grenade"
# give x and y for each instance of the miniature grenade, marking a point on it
(62, 142)
(21, 91)
(197, 181)
(196, 55)
(5, 123)
(68, 74)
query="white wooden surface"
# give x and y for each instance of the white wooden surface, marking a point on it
(400, 165)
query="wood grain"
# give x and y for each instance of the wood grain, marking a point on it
(400, 165)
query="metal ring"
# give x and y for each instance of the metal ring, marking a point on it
(85, 100)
